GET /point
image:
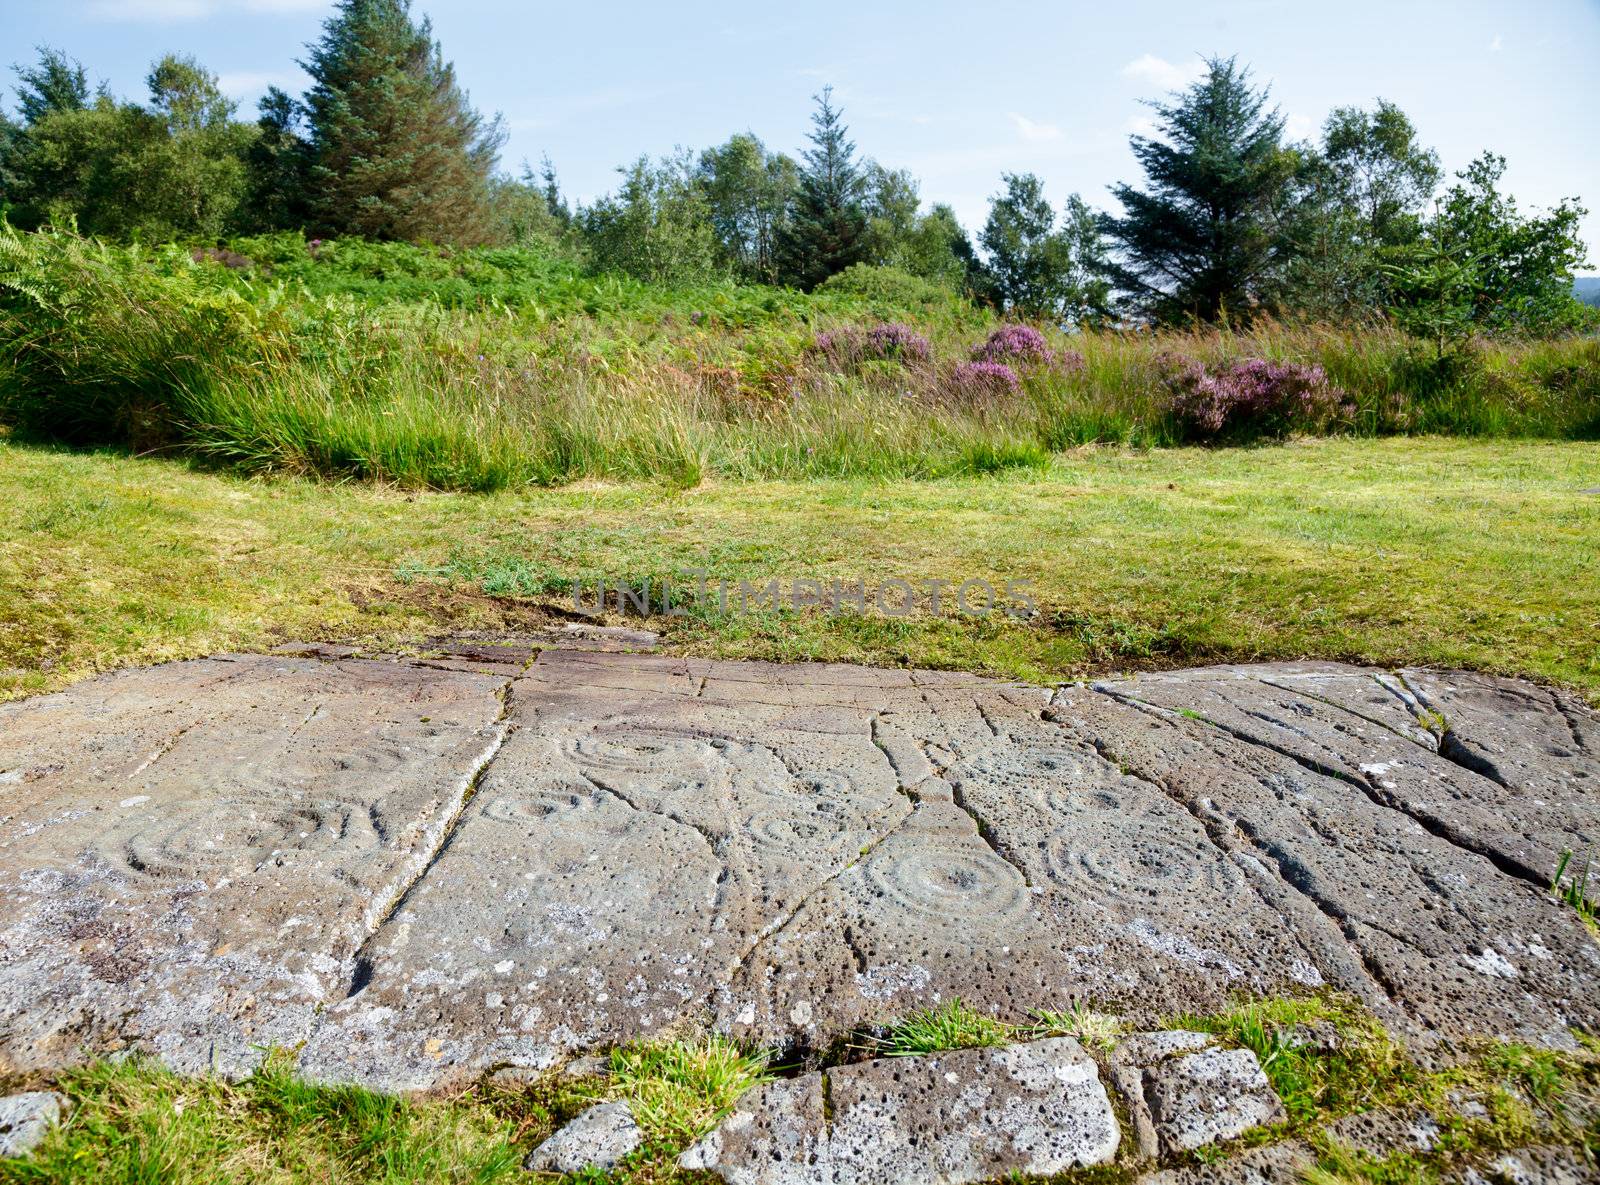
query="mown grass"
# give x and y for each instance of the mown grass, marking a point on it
(494, 370)
(1472, 554)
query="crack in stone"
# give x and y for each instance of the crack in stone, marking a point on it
(1379, 796)
(379, 913)
(1349, 711)
(1572, 724)
(1301, 884)
(708, 837)
(1295, 874)
(779, 924)
(166, 747)
(987, 833)
(1215, 836)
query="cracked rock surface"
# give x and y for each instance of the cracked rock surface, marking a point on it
(943, 1119)
(424, 870)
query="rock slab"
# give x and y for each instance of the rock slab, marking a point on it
(1215, 1094)
(25, 1120)
(599, 1138)
(419, 871)
(972, 1115)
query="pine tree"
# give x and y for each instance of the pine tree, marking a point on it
(826, 230)
(397, 150)
(1209, 236)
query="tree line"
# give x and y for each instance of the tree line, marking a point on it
(1230, 221)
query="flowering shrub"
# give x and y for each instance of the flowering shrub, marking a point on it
(973, 384)
(1013, 343)
(890, 342)
(896, 342)
(1067, 361)
(1253, 397)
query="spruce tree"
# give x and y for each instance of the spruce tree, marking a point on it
(397, 150)
(826, 230)
(1209, 235)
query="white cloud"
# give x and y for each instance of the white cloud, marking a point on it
(166, 11)
(1162, 73)
(1299, 127)
(1141, 125)
(1497, 44)
(1034, 133)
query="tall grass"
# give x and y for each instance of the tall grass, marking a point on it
(352, 370)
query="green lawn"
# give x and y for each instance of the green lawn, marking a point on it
(1477, 554)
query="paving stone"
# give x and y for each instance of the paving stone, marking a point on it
(1216, 1094)
(1380, 1132)
(25, 1120)
(1129, 1061)
(776, 1135)
(965, 1116)
(598, 1138)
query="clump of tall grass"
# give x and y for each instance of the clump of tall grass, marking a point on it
(158, 349)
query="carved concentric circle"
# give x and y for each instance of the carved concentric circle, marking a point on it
(233, 838)
(638, 750)
(538, 806)
(1136, 863)
(827, 785)
(799, 828)
(945, 882)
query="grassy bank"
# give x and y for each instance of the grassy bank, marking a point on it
(497, 369)
(134, 1122)
(1476, 554)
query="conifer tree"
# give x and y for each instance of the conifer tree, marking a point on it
(397, 150)
(826, 230)
(1209, 236)
(56, 83)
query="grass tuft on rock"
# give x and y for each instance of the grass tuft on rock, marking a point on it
(679, 1090)
(952, 1025)
(1325, 1056)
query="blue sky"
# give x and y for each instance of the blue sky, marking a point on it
(957, 93)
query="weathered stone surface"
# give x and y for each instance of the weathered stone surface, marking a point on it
(622, 855)
(191, 856)
(1130, 1060)
(1542, 1164)
(1386, 1130)
(1216, 1094)
(1275, 1164)
(777, 1135)
(598, 1138)
(966, 1116)
(25, 1120)
(1437, 938)
(1501, 768)
(213, 856)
